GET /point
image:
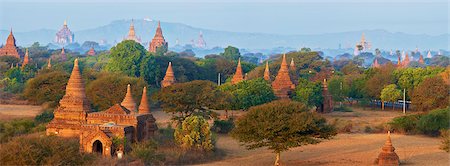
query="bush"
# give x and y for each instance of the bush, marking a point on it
(44, 117)
(15, 128)
(43, 150)
(434, 121)
(249, 93)
(223, 126)
(146, 151)
(405, 124)
(194, 133)
(48, 87)
(343, 109)
(445, 135)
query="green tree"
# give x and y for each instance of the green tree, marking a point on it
(281, 125)
(194, 133)
(195, 97)
(390, 93)
(48, 87)
(431, 94)
(231, 53)
(249, 93)
(308, 93)
(126, 57)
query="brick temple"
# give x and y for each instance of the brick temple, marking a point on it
(158, 40)
(10, 48)
(96, 130)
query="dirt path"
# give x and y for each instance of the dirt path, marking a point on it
(344, 149)
(9, 112)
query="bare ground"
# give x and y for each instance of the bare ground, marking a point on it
(9, 112)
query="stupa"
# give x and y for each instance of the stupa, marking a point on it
(144, 107)
(10, 48)
(91, 52)
(421, 61)
(292, 65)
(158, 40)
(201, 42)
(63, 55)
(26, 59)
(169, 78)
(128, 102)
(132, 34)
(282, 85)
(267, 72)
(376, 64)
(238, 76)
(387, 156)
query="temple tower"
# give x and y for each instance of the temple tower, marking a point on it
(144, 107)
(132, 34)
(26, 59)
(406, 61)
(201, 42)
(169, 78)
(376, 64)
(282, 85)
(387, 156)
(73, 107)
(10, 48)
(128, 101)
(421, 61)
(158, 40)
(64, 35)
(267, 72)
(292, 65)
(429, 54)
(91, 52)
(49, 63)
(238, 76)
(63, 55)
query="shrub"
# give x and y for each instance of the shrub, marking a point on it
(434, 121)
(194, 133)
(43, 150)
(405, 124)
(249, 93)
(44, 117)
(445, 135)
(15, 128)
(146, 151)
(343, 109)
(48, 87)
(223, 126)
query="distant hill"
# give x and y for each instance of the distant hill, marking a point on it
(117, 30)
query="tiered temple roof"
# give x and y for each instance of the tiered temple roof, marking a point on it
(158, 40)
(267, 72)
(169, 78)
(10, 48)
(128, 102)
(387, 156)
(132, 34)
(238, 76)
(282, 85)
(64, 36)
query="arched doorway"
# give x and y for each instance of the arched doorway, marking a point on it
(97, 147)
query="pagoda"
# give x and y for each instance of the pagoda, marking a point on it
(376, 64)
(169, 78)
(49, 63)
(406, 61)
(73, 107)
(387, 156)
(128, 101)
(429, 54)
(238, 76)
(267, 72)
(26, 59)
(64, 35)
(292, 65)
(91, 52)
(201, 42)
(10, 48)
(144, 107)
(282, 85)
(421, 61)
(158, 40)
(132, 34)
(399, 62)
(63, 55)
(327, 105)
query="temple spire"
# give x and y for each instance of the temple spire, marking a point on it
(282, 85)
(238, 76)
(128, 101)
(267, 72)
(49, 63)
(25, 59)
(144, 107)
(292, 65)
(376, 64)
(169, 78)
(421, 61)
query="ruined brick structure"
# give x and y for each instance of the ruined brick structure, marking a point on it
(96, 130)
(10, 48)
(169, 78)
(158, 40)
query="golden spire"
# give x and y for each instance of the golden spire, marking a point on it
(169, 78)
(128, 101)
(238, 76)
(144, 107)
(292, 65)
(267, 72)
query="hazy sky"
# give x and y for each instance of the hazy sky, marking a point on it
(265, 16)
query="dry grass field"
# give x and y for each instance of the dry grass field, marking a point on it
(9, 112)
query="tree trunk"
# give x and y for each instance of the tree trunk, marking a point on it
(277, 160)
(382, 105)
(393, 104)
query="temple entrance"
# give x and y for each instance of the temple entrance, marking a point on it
(97, 147)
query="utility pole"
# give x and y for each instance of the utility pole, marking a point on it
(404, 101)
(218, 80)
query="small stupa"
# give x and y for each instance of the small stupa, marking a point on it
(267, 72)
(282, 85)
(26, 59)
(63, 55)
(421, 61)
(292, 65)
(144, 107)
(128, 101)
(169, 78)
(387, 156)
(238, 76)
(49, 63)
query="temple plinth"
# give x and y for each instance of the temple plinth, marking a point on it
(128, 101)
(158, 40)
(10, 48)
(387, 156)
(267, 72)
(238, 76)
(169, 78)
(282, 85)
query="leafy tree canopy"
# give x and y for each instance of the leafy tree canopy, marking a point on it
(126, 57)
